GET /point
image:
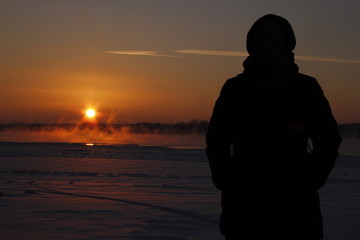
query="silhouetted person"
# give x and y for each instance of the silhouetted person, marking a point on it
(257, 142)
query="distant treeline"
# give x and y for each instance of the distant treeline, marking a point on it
(350, 130)
(192, 127)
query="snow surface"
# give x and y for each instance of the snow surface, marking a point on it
(78, 192)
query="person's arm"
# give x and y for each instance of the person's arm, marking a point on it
(219, 137)
(323, 132)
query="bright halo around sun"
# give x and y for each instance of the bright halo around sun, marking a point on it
(90, 113)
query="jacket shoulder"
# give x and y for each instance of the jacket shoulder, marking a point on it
(309, 83)
(234, 80)
(305, 78)
(231, 83)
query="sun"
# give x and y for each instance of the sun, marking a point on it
(90, 113)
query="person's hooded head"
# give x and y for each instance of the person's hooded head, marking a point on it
(270, 36)
(270, 42)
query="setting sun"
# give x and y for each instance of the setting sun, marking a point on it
(90, 113)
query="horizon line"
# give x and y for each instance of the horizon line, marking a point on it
(146, 122)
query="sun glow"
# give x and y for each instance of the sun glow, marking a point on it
(90, 113)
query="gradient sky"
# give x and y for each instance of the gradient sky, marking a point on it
(159, 60)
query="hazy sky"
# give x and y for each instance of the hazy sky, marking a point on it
(159, 60)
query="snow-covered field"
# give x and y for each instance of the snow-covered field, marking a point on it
(78, 192)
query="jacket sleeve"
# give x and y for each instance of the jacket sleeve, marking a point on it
(219, 137)
(323, 132)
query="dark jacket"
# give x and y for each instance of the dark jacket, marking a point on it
(257, 145)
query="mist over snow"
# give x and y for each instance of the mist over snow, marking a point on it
(179, 134)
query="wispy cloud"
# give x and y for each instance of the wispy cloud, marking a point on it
(140, 53)
(227, 54)
(326, 59)
(245, 54)
(212, 52)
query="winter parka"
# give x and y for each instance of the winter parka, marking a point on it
(257, 146)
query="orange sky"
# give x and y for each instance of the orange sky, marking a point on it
(140, 60)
